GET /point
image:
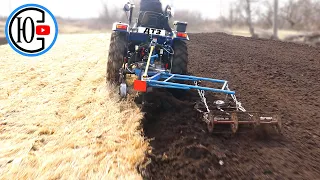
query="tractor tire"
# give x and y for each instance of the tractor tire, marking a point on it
(179, 65)
(180, 58)
(117, 50)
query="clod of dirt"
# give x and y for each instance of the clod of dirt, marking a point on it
(196, 152)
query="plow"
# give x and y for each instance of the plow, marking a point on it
(158, 58)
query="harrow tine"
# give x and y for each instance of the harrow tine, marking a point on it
(235, 124)
(279, 124)
(256, 119)
(235, 119)
(274, 121)
(210, 124)
(259, 119)
(233, 115)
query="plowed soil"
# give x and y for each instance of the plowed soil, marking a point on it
(267, 76)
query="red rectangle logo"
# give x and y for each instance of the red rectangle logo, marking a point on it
(43, 30)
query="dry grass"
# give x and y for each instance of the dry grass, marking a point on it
(58, 119)
(72, 29)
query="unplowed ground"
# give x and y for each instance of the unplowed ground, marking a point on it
(267, 76)
(59, 119)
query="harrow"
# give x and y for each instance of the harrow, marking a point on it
(156, 62)
(228, 111)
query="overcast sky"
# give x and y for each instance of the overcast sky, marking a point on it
(92, 8)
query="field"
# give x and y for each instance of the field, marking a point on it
(59, 120)
(267, 76)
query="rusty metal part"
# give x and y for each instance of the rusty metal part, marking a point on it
(235, 124)
(236, 119)
(228, 115)
(210, 124)
(279, 124)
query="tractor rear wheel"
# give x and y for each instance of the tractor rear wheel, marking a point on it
(117, 50)
(180, 58)
(179, 65)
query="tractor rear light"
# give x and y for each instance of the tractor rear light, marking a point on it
(183, 35)
(140, 86)
(122, 27)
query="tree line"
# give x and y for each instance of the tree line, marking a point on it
(293, 14)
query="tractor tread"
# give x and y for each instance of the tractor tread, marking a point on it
(117, 49)
(180, 58)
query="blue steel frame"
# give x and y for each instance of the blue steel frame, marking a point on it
(161, 80)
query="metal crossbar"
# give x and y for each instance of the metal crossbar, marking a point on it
(161, 80)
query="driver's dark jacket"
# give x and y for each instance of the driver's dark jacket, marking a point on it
(151, 5)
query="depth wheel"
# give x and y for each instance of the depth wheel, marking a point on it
(123, 90)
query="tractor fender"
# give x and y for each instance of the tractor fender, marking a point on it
(120, 27)
(179, 38)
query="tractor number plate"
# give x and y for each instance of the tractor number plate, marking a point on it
(153, 31)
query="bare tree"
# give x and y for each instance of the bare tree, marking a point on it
(301, 14)
(249, 17)
(231, 16)
(111, 14)
(294, 14)
(265, 18)
(275, 20)
(291, 13)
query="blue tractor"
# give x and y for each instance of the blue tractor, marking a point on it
(132, 43)
(158, 58)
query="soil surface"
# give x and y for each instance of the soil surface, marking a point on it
(267, 76)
